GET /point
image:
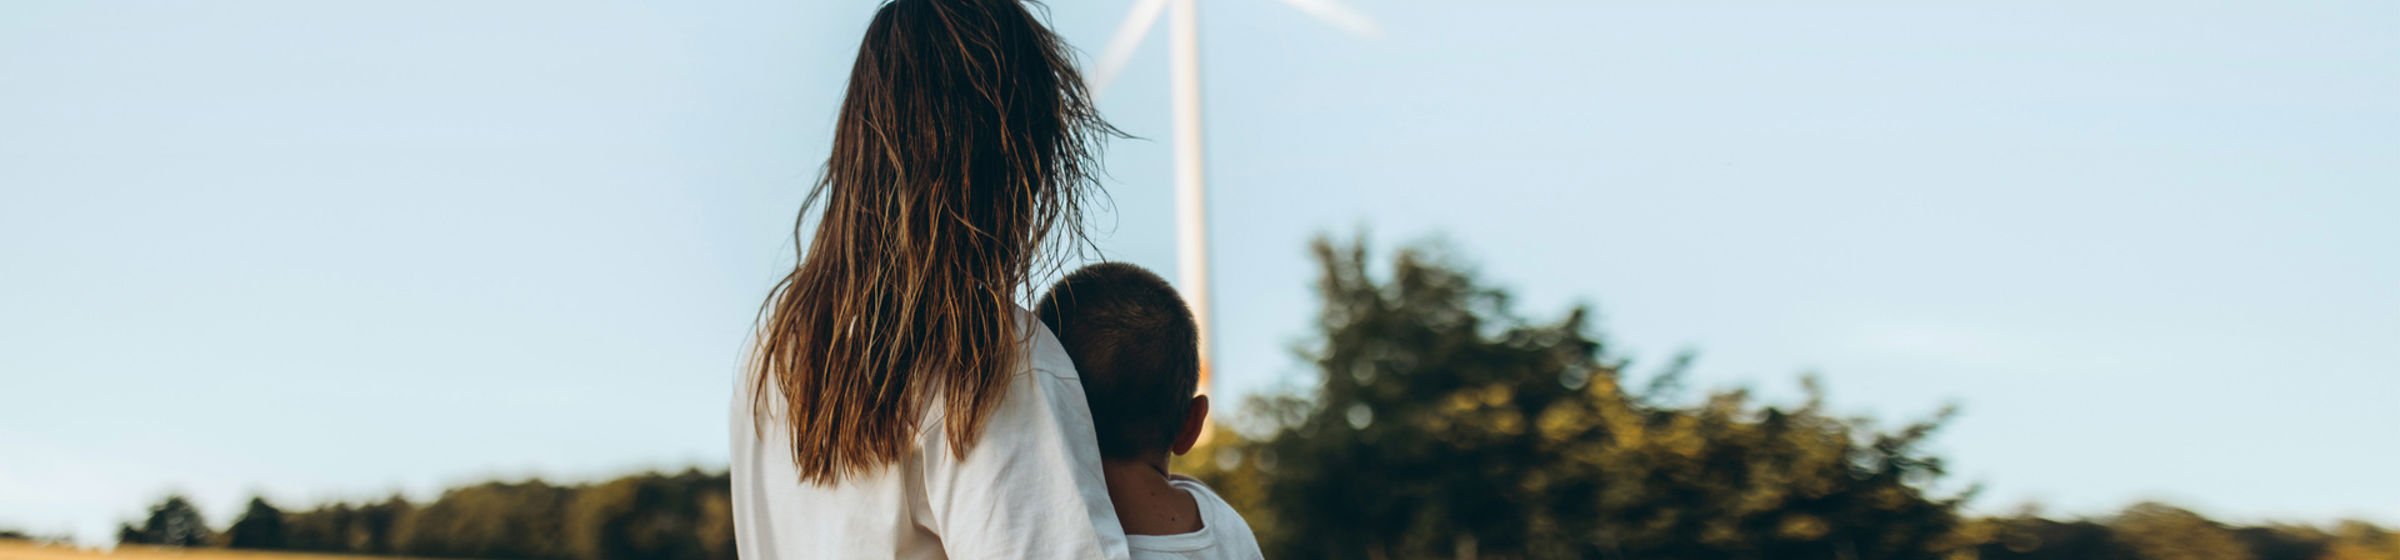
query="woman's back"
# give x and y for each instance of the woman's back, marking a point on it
(1002, 500)
(900, 403)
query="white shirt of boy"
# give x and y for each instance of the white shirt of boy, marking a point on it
(1222, 535)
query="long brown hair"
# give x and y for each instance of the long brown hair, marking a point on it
(959, 166)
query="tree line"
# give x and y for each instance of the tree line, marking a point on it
(686, 515)
(1441, 424)
(1444, 424)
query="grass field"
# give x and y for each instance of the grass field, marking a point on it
(24, 550)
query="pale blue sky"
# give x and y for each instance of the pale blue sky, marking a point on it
(333, 250)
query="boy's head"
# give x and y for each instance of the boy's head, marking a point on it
(1138, 353)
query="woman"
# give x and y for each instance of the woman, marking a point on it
(899, 403)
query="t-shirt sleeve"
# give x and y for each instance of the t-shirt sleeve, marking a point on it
(1031, 488)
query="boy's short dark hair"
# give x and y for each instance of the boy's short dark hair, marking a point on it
(1135, 348)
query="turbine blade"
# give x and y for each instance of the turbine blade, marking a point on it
(1121, 46)
(1333, 12)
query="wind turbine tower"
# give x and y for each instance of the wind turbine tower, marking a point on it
(1191, 170)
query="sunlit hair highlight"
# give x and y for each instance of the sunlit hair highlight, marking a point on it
(962, 156)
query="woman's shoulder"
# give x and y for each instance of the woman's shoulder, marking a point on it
(1043, 379)
(1044, 354)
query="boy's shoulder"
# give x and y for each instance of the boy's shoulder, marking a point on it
(1223, 533)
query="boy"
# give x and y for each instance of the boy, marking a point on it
(1137, 352)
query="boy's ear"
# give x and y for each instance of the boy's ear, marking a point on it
(1195, 417)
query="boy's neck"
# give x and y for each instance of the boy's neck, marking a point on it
(1146, 504)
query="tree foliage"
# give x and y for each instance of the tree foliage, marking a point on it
(371, 528)
(173, 522)
(685, 515)
(261, 527)
(2154, 531)
(1440, 423)
(1443, 423)
(492, 520)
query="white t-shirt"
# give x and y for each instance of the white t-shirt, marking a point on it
(1031, 489)
(1222, 535)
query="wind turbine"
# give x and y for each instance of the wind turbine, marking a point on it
(1191, 196)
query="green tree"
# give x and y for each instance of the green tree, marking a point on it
(685, 515)
(129, 534)
(716, 518)
(365, 528)
(13, 534)
(376, 527)
(324, 529)
(492, 520)
(2156, 531)
(2284, 542)
(645, 516)
(2029, 537)
(2360, 540)
(1444, 424)
(173, 522)
(261, 527)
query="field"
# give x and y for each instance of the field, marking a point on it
(23, 550)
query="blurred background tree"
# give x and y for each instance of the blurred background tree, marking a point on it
(2027, 537)
(173, 522)
(2360, 540)
(1443, 424)
(2155, 531)
(371, 528)
(684, 515)
(653, 516)
(260, 526)
(491, 520)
